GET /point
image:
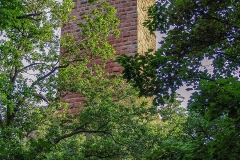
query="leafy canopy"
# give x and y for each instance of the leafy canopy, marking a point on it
(35, 76)
(196, 31)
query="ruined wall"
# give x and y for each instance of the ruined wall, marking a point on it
(134, 38)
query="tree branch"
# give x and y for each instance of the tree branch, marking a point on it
(48, 74)
(77, 132)
(53, 70)
(30, 65)
(1, 121)
(29, 15)
(41, 96)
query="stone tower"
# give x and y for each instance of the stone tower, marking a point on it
(134, 37)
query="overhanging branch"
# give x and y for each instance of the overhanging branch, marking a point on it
(53, 70)
(29, 15)
(77, 132)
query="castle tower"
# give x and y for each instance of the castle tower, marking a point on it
(134, 37)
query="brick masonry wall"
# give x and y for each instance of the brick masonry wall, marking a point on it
(145, 40)
(134, 38)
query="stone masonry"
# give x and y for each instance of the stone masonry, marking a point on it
(134, 37)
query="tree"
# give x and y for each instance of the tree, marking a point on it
(196, 31)
(34, 123)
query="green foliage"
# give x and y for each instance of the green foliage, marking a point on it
(111, 123)
(170, 136)
(196, 31)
